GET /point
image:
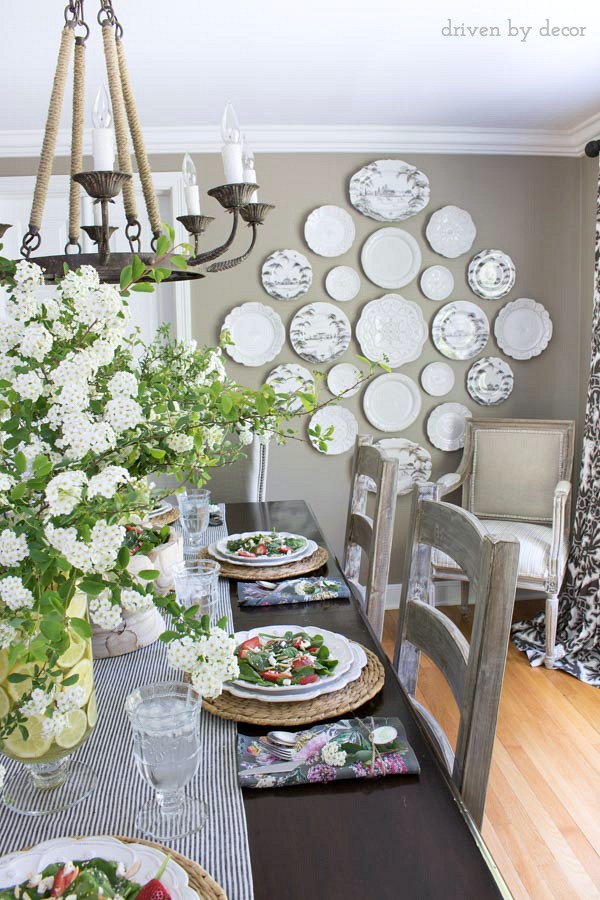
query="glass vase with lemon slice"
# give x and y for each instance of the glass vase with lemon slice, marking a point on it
(49, 780)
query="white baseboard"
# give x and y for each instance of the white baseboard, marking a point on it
(447, 593)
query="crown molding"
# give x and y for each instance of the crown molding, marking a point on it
(339, 139)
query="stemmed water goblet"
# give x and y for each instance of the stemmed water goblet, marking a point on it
(193, 515)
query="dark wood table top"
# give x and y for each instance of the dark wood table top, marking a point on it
(398, 837)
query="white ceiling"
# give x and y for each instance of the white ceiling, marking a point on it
(322, 63)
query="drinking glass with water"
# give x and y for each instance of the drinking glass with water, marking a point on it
(195, 583)
(193, 515)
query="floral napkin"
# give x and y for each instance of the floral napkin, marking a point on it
(294, 590)
(350, 748)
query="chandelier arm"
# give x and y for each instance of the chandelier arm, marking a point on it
(118, 108)
(77, 141)
(218, 251)
(138, 144)
(231, 263)
(49, 144)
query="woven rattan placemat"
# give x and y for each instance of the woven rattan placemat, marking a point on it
(270, 573)
(167, 518)
(200, 881)
(305, 711)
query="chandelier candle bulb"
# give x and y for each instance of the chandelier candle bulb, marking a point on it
(249, 169)
(232, 147)
(192, 191)
(103, 145)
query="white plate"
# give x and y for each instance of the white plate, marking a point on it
(343, 379)
(460, 330)
(437, 283)
(221, 546)
(345, 429)
(391, 257)
(320, 332)
(391, 330)
(289, 379)
(523, 328)
(342, 283)
(257, 333)
(437, 379)
(286, 274)
(389, 190)
(339, 647)
(329, 231)
(17, 867)
(260, 561)
(490, 381)
(160, 510)
(451, 231)
(414, 462)
(392, 402)
(446, 426)
(491, 274)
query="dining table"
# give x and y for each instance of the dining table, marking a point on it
(394, 837)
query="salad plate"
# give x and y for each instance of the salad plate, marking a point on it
(414, 462)
(17, 868)
(389, 190)
(320, 332)
(391, 257)
(286, 274)
(446, 426)
(392, 402)
(271, 545)
(490, 381)
(257, 333)
(159, 510)
(460, 330)
(391, 330)
(342, 283)
(491, 274)
(437, 379)
(437, 283)
(290, 379)
(451, 231)
(344, 379)
(345, 429)
(329, 231)
(259, 562)
(523, 328)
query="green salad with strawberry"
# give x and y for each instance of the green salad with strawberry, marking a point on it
(283, 660)
(259, 544)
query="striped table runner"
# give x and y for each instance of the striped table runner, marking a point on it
(222, 846)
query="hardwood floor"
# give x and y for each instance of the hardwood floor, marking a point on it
(542, 822)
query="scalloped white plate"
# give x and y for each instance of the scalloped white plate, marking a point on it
(257, 333)
(329, 231)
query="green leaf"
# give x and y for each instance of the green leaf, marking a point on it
(41, 466)
(137, 268)
(149, 574)
(179, 262)
(72, 679)
(162, 245)
(143, 287)
(167, 636)
(52, 628)
(20, 462)
(123, 557)
(18, 492)
(91, 587)
(81, 627)
(226, 403)
(17, 677)
(126, 277)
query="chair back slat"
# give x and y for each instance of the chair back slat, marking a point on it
(455, 532)
(361, 531)
(432, 632)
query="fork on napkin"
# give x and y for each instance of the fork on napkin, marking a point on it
(292, 590)
(348, 749)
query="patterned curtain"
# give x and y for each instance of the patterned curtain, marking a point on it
(578, 637)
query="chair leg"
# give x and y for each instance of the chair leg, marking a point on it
(464, 599)
(551, 623)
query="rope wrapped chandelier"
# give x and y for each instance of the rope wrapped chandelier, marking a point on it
(104, 184)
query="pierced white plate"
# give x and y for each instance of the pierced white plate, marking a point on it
(342, 283)
(260, 561)
(17, 867)
(230, 555)
(345, 429)
(290, 378)
(451, 231)
(329, 231)
(414, 462)
(320, 332)
(343, 379)
(389, 190)
(490, 381)
(437, 379)
(523, 328)
(437, 283)
(446, 426)
(257, 333)
(286, 274)
(391, 330)
(391, 257)
(460, 330)
(491, 274)
(392, 402)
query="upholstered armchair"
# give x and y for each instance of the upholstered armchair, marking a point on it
(515, 477)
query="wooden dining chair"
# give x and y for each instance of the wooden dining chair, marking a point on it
(374, 472)
(474, 671)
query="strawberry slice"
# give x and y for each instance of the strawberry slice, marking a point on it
(272, 675)
(250, 644)
(62, 880)
(154, 889)
(246, 554)
(308, 679)
(261, 550)
(284, 549)
(301, 661)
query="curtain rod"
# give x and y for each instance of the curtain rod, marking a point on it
(593, 148)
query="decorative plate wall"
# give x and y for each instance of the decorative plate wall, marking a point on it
(391, 330)
(329, 231)
(490, 381)
(446, 426)
(389, 190)
(437, 283)
(460, 330)
(288, 379)
(344, 379)
(491, 274)
(286, 274)
(257, 333)
(345, 429)
(437, 379)
(342, 283)
(320, 332)
(523, 328)
(391, 257)
(392, 402)
(451, 231)
(414, 462)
